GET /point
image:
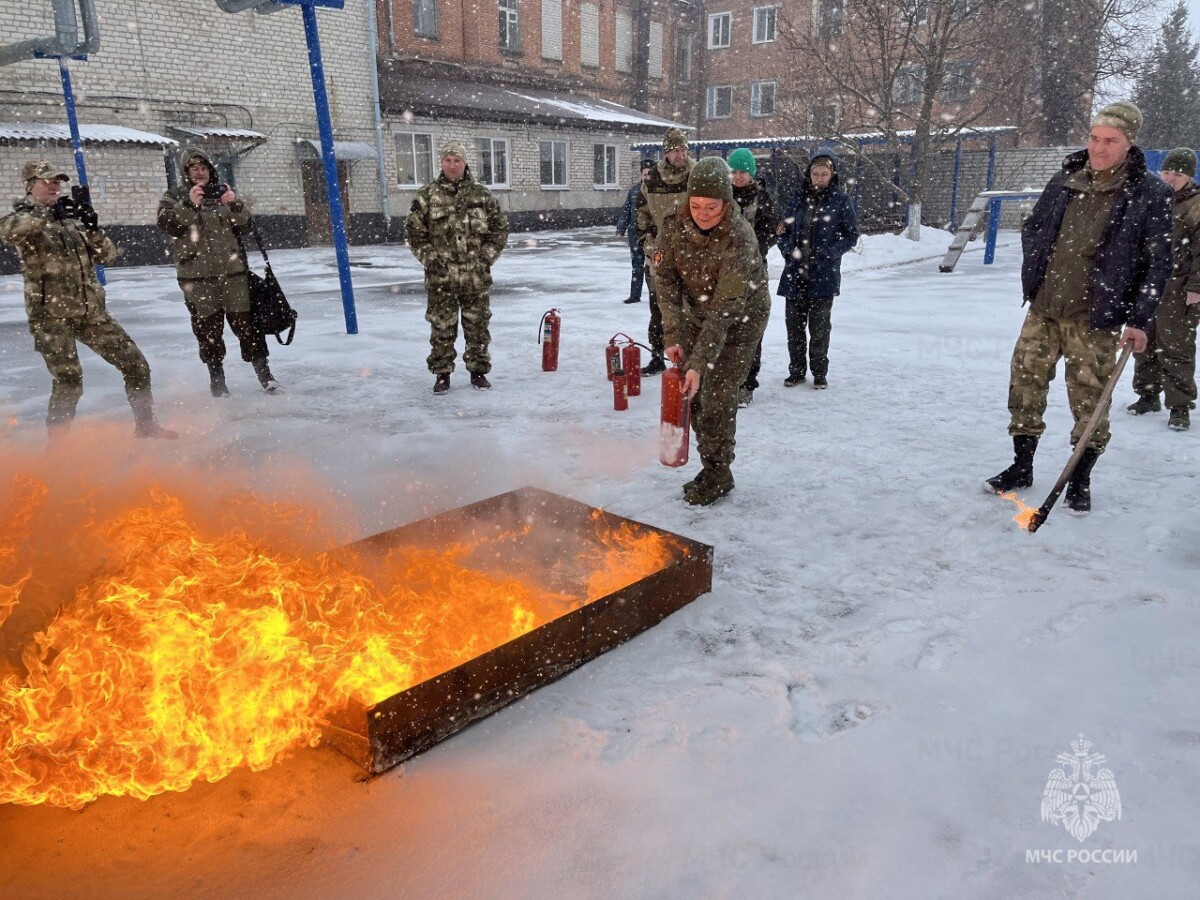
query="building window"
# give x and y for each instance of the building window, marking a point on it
(823, 119)
(552, 29)
(655, 61)
(414, 159)
(909, 86)
(425, 18)
(604, 165)
(553, 157)
(624, 42)
(762, 98)
(829, 18)
(719, 27)
(764, 24)
(958, 83)
(914, 12)
(493, 162)
(720, 102)
(683, 57)
(510, 31)
(589, 35)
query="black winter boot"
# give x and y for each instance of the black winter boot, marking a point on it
(265, 378)
(656, 366)
(1020, 473)
(1079, 488)
(1145, 403)
(216, 380)
(145, 425)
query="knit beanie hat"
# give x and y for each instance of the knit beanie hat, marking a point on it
(674, 138)
(1123, 116)
(453, 148)
(646, 164)
(742, 160)
(710, 178)
(1181, 160)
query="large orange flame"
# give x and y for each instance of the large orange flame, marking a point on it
(189, 655)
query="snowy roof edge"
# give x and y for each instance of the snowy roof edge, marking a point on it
(19, 132)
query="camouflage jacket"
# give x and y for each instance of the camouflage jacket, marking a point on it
(663, 194)
(1185, 244)
(204, 239)
(58, 259)
(457, 231)
(712, 286)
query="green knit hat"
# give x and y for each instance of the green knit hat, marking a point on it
(1181, 160)
(742, 160)
(1123, 116)
(710, 178)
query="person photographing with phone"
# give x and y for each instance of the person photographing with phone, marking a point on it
(203, 217)
(60, 243)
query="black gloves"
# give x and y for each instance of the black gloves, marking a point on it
(88, 216)
(65, 208)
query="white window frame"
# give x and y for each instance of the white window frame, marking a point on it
(712, 101)
(722, 24)
(487, 161)
(611, 165)
(508, 28)
(756, 91)
(399, 138)
(768, 18)
(557, 170)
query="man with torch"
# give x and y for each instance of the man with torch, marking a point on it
(1097, 255)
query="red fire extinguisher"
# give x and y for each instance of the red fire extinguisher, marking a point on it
(631, 359)
(612, 354)
(549, 329)
(620, 388)
(674, 430)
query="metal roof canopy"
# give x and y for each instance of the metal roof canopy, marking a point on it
(862, 139)
(20, 132)
(343, 151)
(202, 133)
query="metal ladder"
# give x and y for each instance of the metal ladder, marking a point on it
(970, 223)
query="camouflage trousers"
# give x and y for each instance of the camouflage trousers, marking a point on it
(442, 313)
(1090, 358)
(56, 340)
(715, 406)
(1169, 363)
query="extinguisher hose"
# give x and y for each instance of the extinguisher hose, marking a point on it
(541, 329)
(621, 334)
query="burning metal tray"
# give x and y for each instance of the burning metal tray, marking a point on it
(383, 735)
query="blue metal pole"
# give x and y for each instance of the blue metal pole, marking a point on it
(989, 250)
(954, 185)
(73, 123)
(325, 126)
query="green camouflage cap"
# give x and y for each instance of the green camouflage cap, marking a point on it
(1181, 160)
(43, 169)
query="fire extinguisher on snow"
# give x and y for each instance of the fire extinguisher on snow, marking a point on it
(620, 387)
(674, 430)
(548, 332)
(612, 354)
(631, 359)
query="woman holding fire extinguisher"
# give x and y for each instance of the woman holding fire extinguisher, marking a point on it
(713, 293)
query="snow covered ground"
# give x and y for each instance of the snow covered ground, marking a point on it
(867, 705)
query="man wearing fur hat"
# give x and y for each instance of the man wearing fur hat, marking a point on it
(203, 218)
(60, 243)
(457, 231)
(712, 289)
(1169, 363)
(1097, 250)
(663, 195)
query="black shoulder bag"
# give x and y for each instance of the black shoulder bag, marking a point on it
(270, 308)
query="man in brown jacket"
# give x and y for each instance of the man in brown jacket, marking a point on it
(1169, 363)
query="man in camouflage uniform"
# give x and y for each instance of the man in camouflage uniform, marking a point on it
(457, 230)
(60, 243)
(712, 288)
(203, 223)
(1169, 362)
(663, 194)
(758, 208)
(1097, 250)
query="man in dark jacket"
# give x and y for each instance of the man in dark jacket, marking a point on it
(1097, 250)
(203, 222)
(60, 243)
(757, 208)
(818, 229)
(1169, 363)
(627, 227)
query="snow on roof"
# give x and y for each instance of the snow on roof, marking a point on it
(847, 139)
(595, 110)
(21, 132)
(204, 133)
(342, 150)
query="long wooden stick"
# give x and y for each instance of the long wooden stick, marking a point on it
(1081, 445)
